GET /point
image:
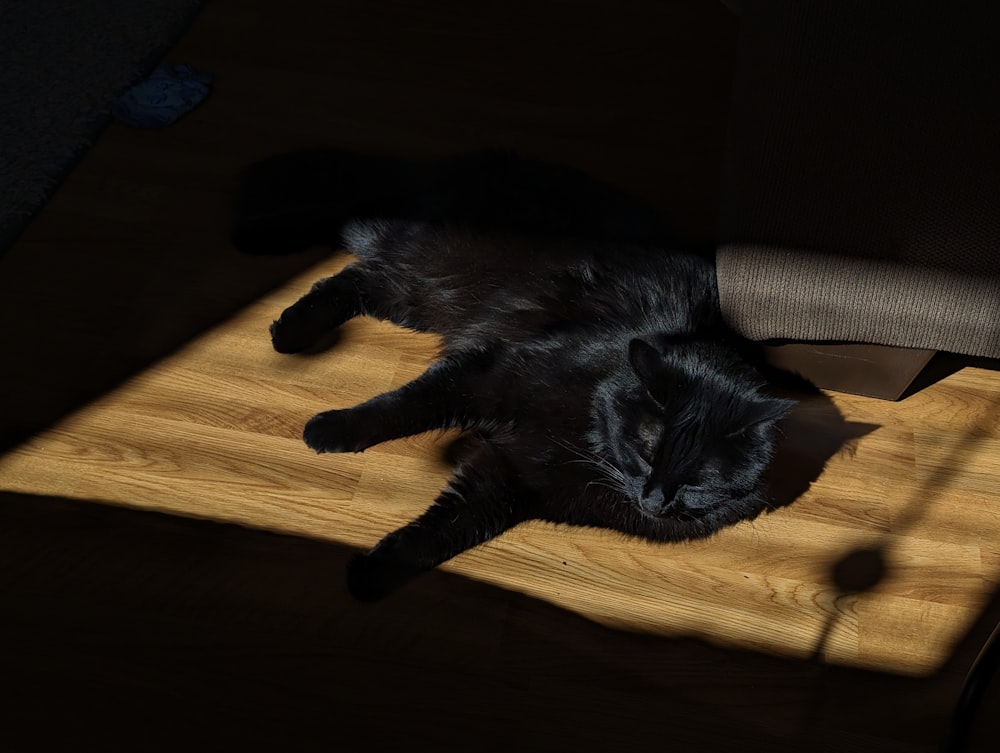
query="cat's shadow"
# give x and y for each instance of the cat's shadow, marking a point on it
(813, 433)
(326, 342)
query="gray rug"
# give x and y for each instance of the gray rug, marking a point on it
(62, 63)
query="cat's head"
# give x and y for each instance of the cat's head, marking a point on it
(685, 433)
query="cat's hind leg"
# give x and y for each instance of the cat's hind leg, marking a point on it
(481, 501)
(330, 303)
(443, 397)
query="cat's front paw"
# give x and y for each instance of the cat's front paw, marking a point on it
(335, 431)
(291, 332)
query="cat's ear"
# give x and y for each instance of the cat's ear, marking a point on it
(762, 410)
(647, 362)
(650, 366)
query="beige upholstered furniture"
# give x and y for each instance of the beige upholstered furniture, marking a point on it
(860, 216)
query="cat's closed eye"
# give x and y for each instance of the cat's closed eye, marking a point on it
(648, 435)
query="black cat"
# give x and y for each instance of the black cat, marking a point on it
(584, 352)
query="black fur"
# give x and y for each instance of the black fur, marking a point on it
(584, 353)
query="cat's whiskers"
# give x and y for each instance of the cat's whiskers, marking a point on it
(604, 484)
(611, 477)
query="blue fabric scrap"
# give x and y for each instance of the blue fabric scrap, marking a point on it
(166, 94)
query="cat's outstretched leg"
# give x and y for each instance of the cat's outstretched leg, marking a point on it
(442, 397)
(330, 303)
(481, 501)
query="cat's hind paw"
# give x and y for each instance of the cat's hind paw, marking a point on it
(334, 431)
(371, 577)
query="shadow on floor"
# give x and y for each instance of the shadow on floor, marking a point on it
(127, 630)
(75, 328)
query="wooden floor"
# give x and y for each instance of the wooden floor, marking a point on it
(138, 377)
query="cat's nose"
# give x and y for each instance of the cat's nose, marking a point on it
(653, 501)
(661, 498)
